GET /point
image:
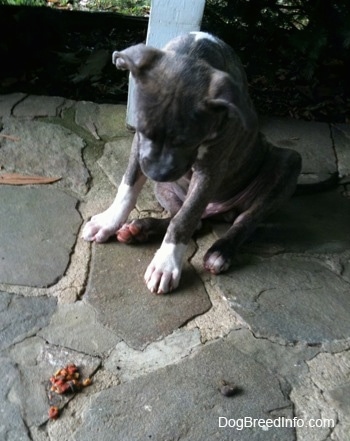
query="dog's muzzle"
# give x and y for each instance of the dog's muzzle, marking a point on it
(164, 163)
(160, 172)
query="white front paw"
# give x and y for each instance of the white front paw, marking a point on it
(164, 272)
(101, 227)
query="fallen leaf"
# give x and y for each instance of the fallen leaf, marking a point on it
(10, 137)
(19, 179)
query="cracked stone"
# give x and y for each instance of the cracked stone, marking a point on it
(288, 361)
(21, 317)
(341, 137)
(7, 102)
(311, 139)
(115, 159)
(285, 297)
(129, 364)
(220, 319)
(123, 303)
(313, 224)
(33, 106)
(12, 426)
(346, 270)
(323, 393)
(35, 362)
(340, 395)
(75, 326)
(183, 401)
(38, 434)
(44, 149)
(114, 162)
(101, 120)
(39, 226)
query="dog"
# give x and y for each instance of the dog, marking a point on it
(197, 137)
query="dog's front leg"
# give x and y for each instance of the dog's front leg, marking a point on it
(105, 224)
(164, 272)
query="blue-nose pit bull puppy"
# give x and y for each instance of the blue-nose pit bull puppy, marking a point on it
(197, 137)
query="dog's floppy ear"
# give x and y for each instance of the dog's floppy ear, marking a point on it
(136, 58)
(225, 95)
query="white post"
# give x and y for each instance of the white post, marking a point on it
(168, 19)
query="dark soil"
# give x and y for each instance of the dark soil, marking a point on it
(45, 51)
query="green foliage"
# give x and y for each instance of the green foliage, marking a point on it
(131, 7)
(304, 30)
(23, 2)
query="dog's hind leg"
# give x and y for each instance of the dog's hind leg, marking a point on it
(275, 183)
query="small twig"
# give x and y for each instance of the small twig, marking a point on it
(11, 138)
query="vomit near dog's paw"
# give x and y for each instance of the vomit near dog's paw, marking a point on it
(54, 413)
(66, 380)
(87, 382)
(228, 389)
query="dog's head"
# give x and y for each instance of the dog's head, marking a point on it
(181, 104)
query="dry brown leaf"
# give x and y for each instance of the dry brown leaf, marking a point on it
(19, 179)
(10, 137)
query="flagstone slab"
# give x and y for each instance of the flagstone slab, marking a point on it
(341, 136)
(45, 149)
(21, 316)
(35, 362)
(75, 326)
(39, 227)
(101, 120)
(183, 402)
(12, 426)
(25, 395)
(289, 298)
(124, 304)
(311, 139)
(129, 363)
(313, 223)
(114, 161)
(36, 105)
(7, 102)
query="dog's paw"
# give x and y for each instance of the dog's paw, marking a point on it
(100, 227)
(133, 232)
(215, 262)
(162, 280)
(164, 272)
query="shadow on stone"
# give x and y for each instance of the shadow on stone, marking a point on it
(313, 223)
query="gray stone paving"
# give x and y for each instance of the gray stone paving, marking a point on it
(312, 140)
(45, 149)
(155, 317)
(38, 232)
(277, 324)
